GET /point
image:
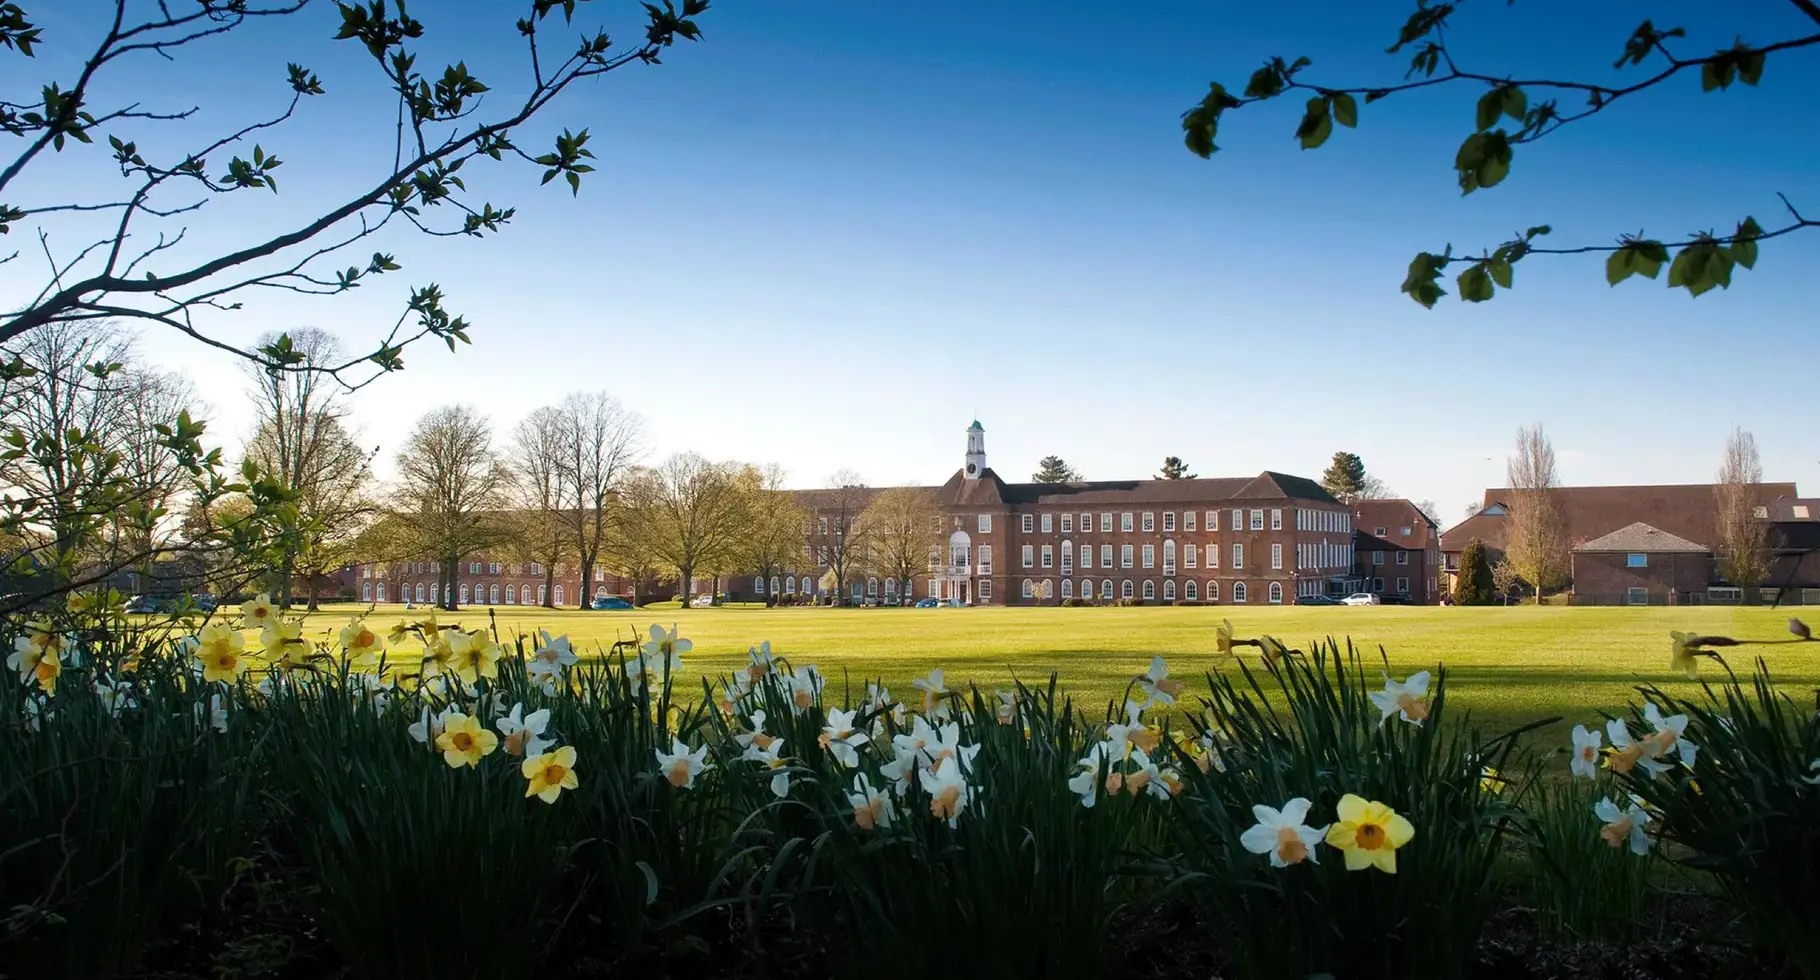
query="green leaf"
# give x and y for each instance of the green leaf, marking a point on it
(1620, 265)
(1750, 68)
(1265, 82)
(1689, 269)
(1744, 247)
(1516, 104)
(1422, 284)
(1490, 105)
(1316, 124)
(1475, 285)
(1345, 110)
(1650, 257)
(1501, 273)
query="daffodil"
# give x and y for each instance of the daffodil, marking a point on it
(1622, 826)
(757, 735)
(902, 766)
(221, 652)
(1271, 650)
(46, 671)
(947, 745)
(214, 714)
(948, 790)
(1624, 753)
(1007, 707)
(1284, 834)
(39, 642)
(1086, 780)
(758, 662)
(1133, 733)
(660, 656)
(34, 713)
(1205, 754)
(1404, 699)
(1145, 777)
(872, 809)
(733, 693)
(115, 696)
(465, 741)
(1222, 636)
(1586, 752)
(545, 665)
(805, 687)
(258, 613)
(1491, 782)
(427, 729)
(549, 773)
(840, 739)
(1684, 653)
(679, 766)
(771, 758)
(284, 644)
(473, 655)
(523, 732)
(935, 693)
(363, 646)
(1669, 738)
(1156, 685)
(1369, 833)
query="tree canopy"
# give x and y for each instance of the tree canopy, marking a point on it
(1174, 468)
(1052, 469)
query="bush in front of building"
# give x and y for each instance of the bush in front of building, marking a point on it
(1474, 585)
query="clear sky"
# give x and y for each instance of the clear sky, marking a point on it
(832, 234)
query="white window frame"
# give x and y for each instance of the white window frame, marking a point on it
(1169, 590)
(1105, 522)
(1027, 523)
(1403, 586)
(1029, 556)
(1213, 521)
(1067, 588)
(1238, 520)
(1188, 519)
(1028, 589)
(1169, 557)
(1149, 590)
(1636, 595)
(1191, 591)
(985, 523)
(1213, 590)
(1126, 590)
(1048, 556)
(1239, 592)
(1257, 518)
(1067, 526)
(1276, 518)
(1213, 556)
(1191, 554)
(1149, 555)
(1067, 558)
(1238, 555)
(1168, 520)
(1105, 590)
(1636, 559)
(1402, 557)
(985, 590)
(1276, 555)
(1048, 523)
(1276, 593)
(1105, 556)
(1125, 556)
(985, 562)
(1125, 522)
(1149, 524)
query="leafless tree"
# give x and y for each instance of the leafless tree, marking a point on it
(902, 526)
(539, 515)
(1430, 511)
(1743, 545)
(772, 541)
(1505, 580)
(689, 514)
(451, 488)
(600, 443)
(1536, 545)
(837, 538)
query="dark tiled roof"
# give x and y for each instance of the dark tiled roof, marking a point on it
(830, 498)
(1371, 542)
(990, 490)
(1794, 509)
(1687, 511)
(1640, 537)
(1393, 515)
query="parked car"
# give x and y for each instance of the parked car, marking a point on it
(1316, 600)
(702, 601)
(1361, 599)
(611, 602)
(1399, 599)
(928, 603)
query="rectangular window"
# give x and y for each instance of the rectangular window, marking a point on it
(1105, 556)
(1086, 523)
(1213, 520)
(1636, 561)
(1125, 522)
(1086, 556)
(1257, 519)
(1149, 521)
(1029, 556)
(985, 559)
(1150, 556)
(1067, 523)
(1048, 556)
(493, 568)
(1124, 556)
(1067, 561)
(1276, 556)
(1188, 520)
(985, 589)
(1190, 554)
(1213, 556)
(1028, 522)
(985, 523)
(1638, 596)
(1402, 557)
(1238, 556)
(1406, 532)
(1378, 531)
(1800, 511)
(1106, 523)
(1238, 519)
(473, 568)
(1377, 558)
(1276, 518)
(1402, 586)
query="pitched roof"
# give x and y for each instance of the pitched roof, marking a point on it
(1393, 515)
(1793, 509)
(1688, 511)
(990, 490)
(1640, 537)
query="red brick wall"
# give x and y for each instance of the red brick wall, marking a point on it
(1606, 577)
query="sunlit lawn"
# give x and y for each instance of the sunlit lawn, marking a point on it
(1507, 665)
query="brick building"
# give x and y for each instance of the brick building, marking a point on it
(489, 580)
(1643, 564)
(1397, 550)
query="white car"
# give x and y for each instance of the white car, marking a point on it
(702, 601)
(1361, 599)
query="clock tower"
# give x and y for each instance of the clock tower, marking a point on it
(976, 451)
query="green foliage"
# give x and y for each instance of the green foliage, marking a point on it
(1053, 469)
(1581, 888)
(1473, 585)
(1344, 478)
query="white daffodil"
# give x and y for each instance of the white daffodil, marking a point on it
(805, 688)
(757, 736)
(1086, 781)
(771, 758)
(1403, 699)
(759, 663)
(34, 712)
(917, 740)
(1622, 825)
(1667, 739)
(872, 809)
(426, 728)
(218, 713)
(1133, 734)
(661, 656)
(679, 766)
(116, 696)
(839, 738)
(1145, 777)
(947, 745)
(733, 693)
(935, 693)
(1156, 685)
(1284, 834)
(1625, 752)
(1007, 706)
(948, 790)
(554, 651)
(899, 770)
(523, 733)
(1586, 752)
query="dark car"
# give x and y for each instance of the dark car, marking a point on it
(1399, 599)
(1316, 600)
(611, 602)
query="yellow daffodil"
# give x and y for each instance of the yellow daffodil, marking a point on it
(1369, 833)
(1491, 782)
(46, 672)
(464, 741)
(258, 613)
(39, 643)
(363, 646)
(935, 693)
(1271, 650)
(1684, 655)
(1222, 636)
(222, 653)
(284, 644)
(473, 655)
(550, 773)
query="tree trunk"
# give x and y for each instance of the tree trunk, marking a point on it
(312, 601)
(686, 586)
(587, 573)
(549, 586)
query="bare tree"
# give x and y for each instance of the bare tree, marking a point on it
(304, 444)
(1536, 545)
(601, 442)
(772, 541)
(540, 517)
(902, 526)
(451, 487)
(836, 538)
(689, 514)
(1430, 511)
(1743, 544)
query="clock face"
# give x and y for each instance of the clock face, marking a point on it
(972, 469)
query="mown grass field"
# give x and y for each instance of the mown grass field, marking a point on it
(1507, 665)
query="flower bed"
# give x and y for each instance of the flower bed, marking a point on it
(429, 801)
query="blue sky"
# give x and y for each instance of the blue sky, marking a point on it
(830, 235)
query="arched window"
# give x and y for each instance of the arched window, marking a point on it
(1169, 589)
(790, 583)
(1106, 589)
(872, 587)
(1029, 589)
(1149, 589)
(420, 592)
(1238, 592)
(891, 586)
(758, 585)
(1169, 558)
(1048, 589)
(1276, 592)
(600, 591)
(464, 593)
(540, 595)
(493, 595)
(1213, 591)
(382, 592)
(775, 590)
(1125, 590)
(1067, 587)
(366, 592)
(511, 595)
(558, 599)
(1086, 588)
(1191, 590)
(1067, 557)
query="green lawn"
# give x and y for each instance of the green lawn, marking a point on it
(1507, 665)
